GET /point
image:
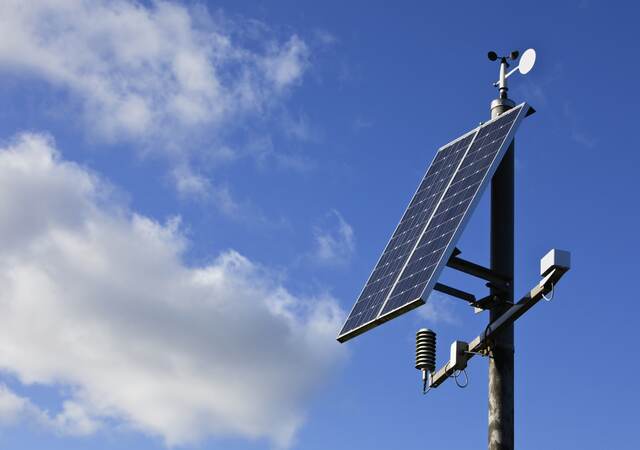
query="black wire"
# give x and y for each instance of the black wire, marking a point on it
(457, 373)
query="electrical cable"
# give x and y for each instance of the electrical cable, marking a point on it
(425, 383)
(553, 291)
(457, 373)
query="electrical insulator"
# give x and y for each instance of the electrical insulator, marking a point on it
(425, 354)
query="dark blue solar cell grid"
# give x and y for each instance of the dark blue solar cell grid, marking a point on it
(450, 212)
(406, 235)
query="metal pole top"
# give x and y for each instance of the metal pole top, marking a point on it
(500, 105)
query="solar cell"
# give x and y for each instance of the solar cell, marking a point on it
(436, 244)
(424, 239)
(407, 233)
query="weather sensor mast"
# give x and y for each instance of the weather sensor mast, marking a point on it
(502, 245)
(424, 244)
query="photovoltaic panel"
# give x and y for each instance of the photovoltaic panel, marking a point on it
(423, 241)
(407, 233)
(437, 243)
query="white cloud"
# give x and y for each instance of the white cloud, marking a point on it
(325, 37)
(334, 243)
(157, 72)
(98, 300)
(189, 183)
(439, 309)
(360, 124)
(173, 80)
(298, 128)
(285, 65)
(196, 186)
(71, 420)
(11, 406)
(578, 133)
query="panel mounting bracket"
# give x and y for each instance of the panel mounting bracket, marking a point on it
(486, 303)
(466, 296)
(495, 279)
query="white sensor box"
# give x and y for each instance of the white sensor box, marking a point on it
(555, 258)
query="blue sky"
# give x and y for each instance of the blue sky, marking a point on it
(192, 195)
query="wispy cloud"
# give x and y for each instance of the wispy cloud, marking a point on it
(536, 90)
(196, 187)
(298, 127)
(97, 299)
(267, 156)
(142, 70)
(191, 184)
(334, 241)
(361, 123)
(439, 310)
(325, 37)
(536, 93)
(578, 133)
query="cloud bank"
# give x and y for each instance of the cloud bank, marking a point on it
(98, 300)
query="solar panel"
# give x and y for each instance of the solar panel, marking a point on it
(407, 233)
(424, 239)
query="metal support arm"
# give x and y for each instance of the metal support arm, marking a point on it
(466, 296)
(481, 343)
(478, 271)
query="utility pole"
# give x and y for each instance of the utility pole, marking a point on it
(501, 363)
